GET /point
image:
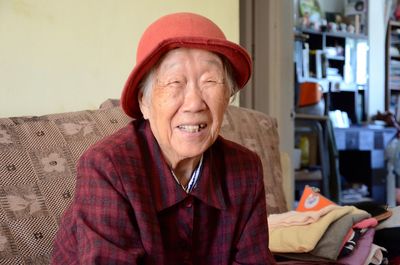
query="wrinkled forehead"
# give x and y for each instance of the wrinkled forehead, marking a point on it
(180, 57)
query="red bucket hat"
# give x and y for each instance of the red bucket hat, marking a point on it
(181, 30)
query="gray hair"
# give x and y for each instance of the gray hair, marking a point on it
(147, 83)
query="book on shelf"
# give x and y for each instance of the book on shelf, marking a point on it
(394, 105)
(320, 64)
(305, 61)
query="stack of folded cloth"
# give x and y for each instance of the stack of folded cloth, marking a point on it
(321, 231)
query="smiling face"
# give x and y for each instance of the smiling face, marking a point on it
(186, 104)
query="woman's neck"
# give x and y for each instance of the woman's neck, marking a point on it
(183, 169)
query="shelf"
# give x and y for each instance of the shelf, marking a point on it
(300, 36)
(308, 175)
(339, 58)
(331, 59)
(335, 34)
(394, 23)
(310, 117)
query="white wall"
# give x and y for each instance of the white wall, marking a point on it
(280, 80)
(69, 55)
(376, 38)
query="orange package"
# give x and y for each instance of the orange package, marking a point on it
(310, 93)
(312, 200)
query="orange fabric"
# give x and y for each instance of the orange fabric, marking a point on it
(312, 201)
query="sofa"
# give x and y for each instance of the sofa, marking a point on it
(37, 169)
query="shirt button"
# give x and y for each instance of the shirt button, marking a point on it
(189, 202)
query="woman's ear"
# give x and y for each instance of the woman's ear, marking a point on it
(143, 105)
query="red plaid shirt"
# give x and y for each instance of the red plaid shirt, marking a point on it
(128, 209)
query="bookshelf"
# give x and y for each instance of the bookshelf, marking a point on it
(392, 95)
(338, 62)
(331, 56)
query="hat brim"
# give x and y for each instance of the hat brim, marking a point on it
(234, 53)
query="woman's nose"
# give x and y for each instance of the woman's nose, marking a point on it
(193, 98)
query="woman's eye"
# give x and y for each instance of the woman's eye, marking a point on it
(210, 83)
(174, 83)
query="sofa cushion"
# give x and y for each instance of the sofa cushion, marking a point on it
(37, 176)
(259, 133)
(37, 170)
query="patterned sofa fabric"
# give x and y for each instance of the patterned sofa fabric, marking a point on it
(37, 170)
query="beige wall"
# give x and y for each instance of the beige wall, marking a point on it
(69, 55)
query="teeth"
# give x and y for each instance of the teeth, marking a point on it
(192, 128)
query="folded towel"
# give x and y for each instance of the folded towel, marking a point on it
(300, 239)
(293, 218)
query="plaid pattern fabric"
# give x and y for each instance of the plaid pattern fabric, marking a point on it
(129, 207)
(259, 133)
(37, 170)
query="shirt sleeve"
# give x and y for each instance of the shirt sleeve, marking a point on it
(252, 247)
(99, 227)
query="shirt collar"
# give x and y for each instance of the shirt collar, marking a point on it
(209, 185)
(167, 192)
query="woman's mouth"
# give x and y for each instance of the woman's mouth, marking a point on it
(192, 128)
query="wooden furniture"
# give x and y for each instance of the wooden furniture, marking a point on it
(321, 169)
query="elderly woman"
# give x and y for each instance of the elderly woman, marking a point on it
(167, 189)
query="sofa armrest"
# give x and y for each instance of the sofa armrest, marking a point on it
(259, 133)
